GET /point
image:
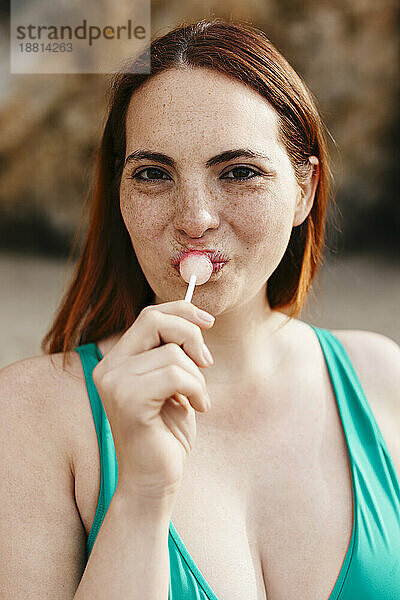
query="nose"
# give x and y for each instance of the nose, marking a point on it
(195, 213)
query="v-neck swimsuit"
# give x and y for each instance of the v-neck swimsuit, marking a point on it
(371, 566)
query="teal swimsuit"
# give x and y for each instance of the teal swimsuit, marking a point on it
(371, 567)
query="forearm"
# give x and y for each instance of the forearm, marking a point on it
(129, 560)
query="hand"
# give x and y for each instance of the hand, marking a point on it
(151, 385)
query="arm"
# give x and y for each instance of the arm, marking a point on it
(129, 559)
(42, 538)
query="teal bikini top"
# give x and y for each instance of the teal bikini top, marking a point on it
(371, 567)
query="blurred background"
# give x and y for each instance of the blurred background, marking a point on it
(347, 53)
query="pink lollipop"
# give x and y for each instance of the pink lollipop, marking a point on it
(195, 268)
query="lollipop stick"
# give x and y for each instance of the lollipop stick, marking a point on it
(190, 290)
(180, 398)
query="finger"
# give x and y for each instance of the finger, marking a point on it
(162, 383)
(157, 328)
(185, 309)
(179, 308)
(162, 356)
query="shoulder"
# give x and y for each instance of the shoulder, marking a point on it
(41, 375)
(43, 398)
(376, 360)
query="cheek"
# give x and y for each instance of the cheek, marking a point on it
(264, 222)
(141, 219)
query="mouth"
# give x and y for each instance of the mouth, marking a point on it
(217, 258)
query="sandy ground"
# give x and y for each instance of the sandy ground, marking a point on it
(357, 293)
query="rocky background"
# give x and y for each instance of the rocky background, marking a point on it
(347, 53)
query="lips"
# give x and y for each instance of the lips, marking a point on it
(217, 266)
(217, 258)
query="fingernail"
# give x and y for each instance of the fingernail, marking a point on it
(205, 316)
(207, 355)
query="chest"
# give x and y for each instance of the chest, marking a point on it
(266, 513)
(265, 507)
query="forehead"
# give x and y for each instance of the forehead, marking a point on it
(199, 105)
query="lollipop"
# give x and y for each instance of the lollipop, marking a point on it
(195, 268)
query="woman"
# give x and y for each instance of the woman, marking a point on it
(130, 484)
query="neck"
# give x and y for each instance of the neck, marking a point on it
(243, 339)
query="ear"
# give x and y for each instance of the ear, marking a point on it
(306, 194)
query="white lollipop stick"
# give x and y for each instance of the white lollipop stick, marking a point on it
(194, 267)
(190, 290)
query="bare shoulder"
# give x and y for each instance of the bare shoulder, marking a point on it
(376, 360)
(46, 397)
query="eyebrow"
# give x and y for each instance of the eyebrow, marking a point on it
(215, 160)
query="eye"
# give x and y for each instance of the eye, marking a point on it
(153, 174)
(242, 170)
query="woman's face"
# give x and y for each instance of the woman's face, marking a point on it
(245, 206)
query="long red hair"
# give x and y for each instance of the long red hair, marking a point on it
(108, 289)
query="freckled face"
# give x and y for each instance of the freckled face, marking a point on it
(243, 207)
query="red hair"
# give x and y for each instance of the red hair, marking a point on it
(108, 288)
